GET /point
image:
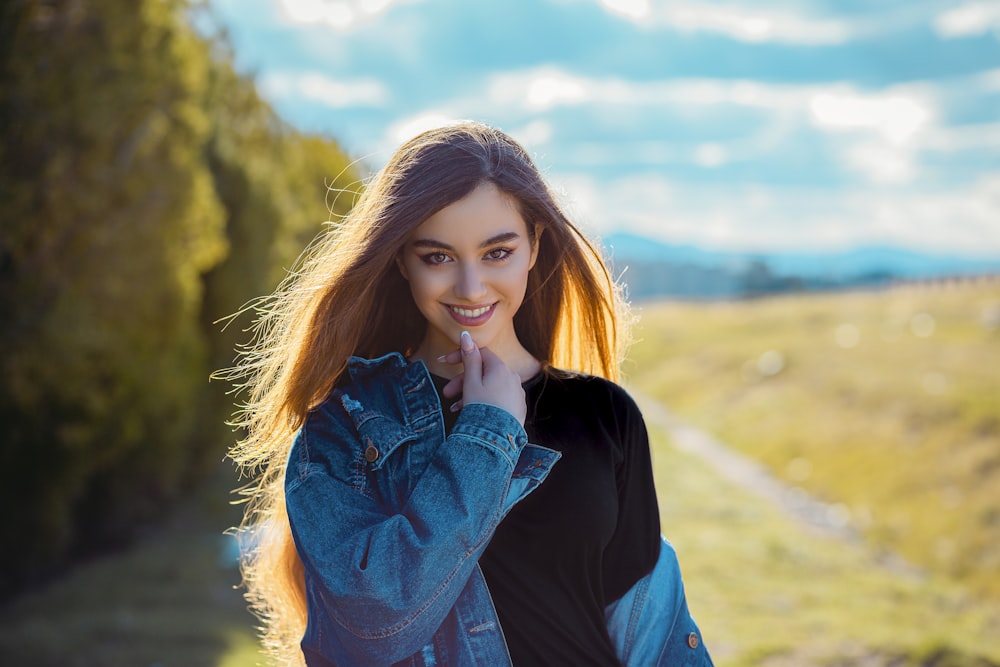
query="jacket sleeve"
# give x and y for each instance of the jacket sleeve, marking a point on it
(388, 577)
(651, 626)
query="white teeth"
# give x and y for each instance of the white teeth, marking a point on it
(473, 312)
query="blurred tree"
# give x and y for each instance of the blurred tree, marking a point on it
(278, 187)
(757, 278)
(110, 218)
(133, 157)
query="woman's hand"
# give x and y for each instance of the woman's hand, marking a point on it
(486, 379)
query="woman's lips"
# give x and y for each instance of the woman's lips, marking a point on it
(471, 316)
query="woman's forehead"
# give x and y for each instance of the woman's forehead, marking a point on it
(484, 214)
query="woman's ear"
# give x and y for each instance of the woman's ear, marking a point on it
(535, 244)
(401, 266)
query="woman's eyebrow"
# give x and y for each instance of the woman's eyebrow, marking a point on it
(505, 237)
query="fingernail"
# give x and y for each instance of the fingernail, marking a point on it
(467, 344)
(443, 358)
(455, 407)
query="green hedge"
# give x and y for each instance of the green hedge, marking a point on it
(146, 191)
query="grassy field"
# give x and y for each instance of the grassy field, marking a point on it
(768, 592)
(858, 398)
(884, 404)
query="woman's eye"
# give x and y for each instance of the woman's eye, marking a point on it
(435, 258)
(498, 254)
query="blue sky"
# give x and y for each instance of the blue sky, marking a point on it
(743, 125)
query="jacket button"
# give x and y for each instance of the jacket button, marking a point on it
(693, 640)
(371, 454)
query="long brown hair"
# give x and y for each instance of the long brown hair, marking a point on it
(346, 297)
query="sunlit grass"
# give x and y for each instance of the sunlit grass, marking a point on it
(884, 402)
(169, 601)
(243, 650)
(767, 590)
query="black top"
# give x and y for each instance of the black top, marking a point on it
(585, 535)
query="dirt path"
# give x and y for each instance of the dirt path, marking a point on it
(832, 520)
(814, 515)
(828, 519)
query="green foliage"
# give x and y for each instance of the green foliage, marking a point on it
(133, 161)
(110, 221)
(278, 187)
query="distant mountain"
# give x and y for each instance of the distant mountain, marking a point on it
(655, 268)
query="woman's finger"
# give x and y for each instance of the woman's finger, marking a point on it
(454, 386)
(452, 357)
(472, 361)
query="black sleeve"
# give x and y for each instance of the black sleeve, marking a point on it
(635, 545)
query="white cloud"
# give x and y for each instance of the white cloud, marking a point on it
(546, 90)
(534, 135)
(746, 24)
(897, 112)
(878, 135)
(637, 10)
(547, 87)
(754, 25)
(895, 116)
(977, 137)
(410, 126)
(962, 220)
(882, 125)
(969, 19)
(336, 14)
(989, 80)
(881, 163)
(886, 128)
(711, 155)
(329, 92)
(598, 153)
(538, 89)
(760, 217)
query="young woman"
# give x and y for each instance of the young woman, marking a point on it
(449, 474)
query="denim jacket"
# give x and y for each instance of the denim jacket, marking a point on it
(390, 517)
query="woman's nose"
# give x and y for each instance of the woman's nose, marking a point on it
(470, 284)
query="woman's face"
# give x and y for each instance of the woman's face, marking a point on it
(467, 266)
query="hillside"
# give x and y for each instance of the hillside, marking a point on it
(655, 269)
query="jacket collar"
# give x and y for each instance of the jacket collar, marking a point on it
(361, 368)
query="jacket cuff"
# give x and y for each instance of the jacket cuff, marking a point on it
(494, 427)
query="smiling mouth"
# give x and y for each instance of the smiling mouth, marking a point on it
(470, 316)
